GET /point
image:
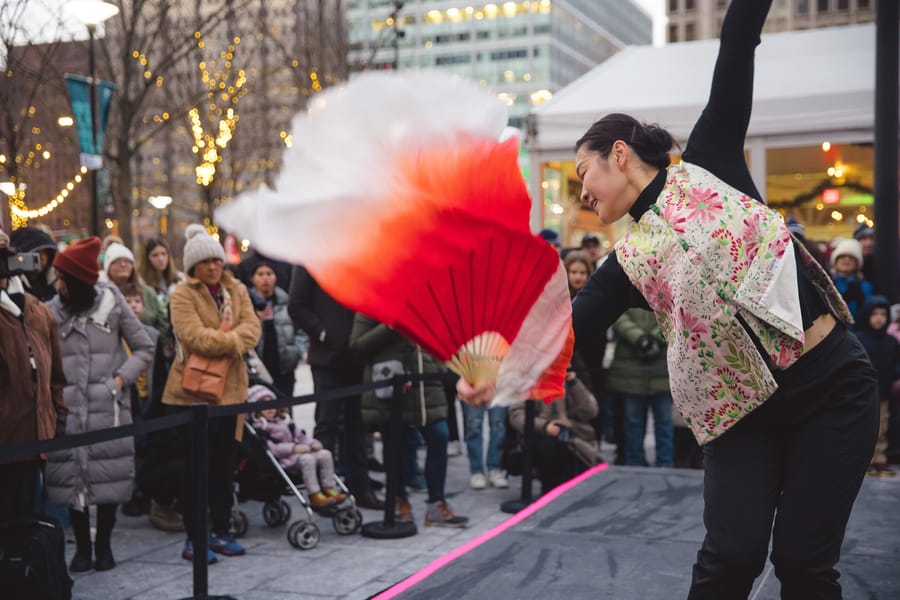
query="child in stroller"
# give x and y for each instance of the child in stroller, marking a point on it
(262, 475)
(296, 451)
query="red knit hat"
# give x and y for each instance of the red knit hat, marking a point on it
(79, 260)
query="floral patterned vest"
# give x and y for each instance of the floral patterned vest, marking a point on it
(719, 271)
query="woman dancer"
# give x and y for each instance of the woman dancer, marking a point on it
(761, 364)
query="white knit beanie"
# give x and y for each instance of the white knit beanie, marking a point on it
(115, 252)
(848, 247)
(200, 246)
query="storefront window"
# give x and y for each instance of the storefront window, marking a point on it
(827, 188)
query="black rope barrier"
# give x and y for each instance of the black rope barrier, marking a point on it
(198, 417)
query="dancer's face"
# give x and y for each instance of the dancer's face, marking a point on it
(604, 184)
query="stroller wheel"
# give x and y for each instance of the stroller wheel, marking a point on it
(272, 514)
(347, 521)
(240, 523)
(285, 512)
(303, 535)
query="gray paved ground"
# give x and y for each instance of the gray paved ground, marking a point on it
(627, 534)
(632, 534)
(150, 566)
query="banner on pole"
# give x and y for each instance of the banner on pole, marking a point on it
(80, 98)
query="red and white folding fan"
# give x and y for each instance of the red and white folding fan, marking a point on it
(399, 199)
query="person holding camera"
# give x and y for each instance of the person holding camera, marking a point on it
(565, 443)
(639, 376)
(31, 382)
(40, 281)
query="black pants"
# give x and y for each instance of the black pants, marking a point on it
(800, 458)
(339, 424)
(19, 482)
(450, 394)
(222, 454)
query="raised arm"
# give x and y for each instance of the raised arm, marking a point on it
(717, 141)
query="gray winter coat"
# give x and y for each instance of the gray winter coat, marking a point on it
(292, 342)
(93, 353)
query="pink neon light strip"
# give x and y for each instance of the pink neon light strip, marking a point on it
(520, 516)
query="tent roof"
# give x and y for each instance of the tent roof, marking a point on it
(818, 80)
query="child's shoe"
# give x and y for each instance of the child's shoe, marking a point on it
(225, 544)
(188, 553)
(320, 500)
(336, 496)
(439, 514)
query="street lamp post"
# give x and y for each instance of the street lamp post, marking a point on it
(92, 13)
(398, 33)
(161, 203)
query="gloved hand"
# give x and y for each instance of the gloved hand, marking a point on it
(647, 347)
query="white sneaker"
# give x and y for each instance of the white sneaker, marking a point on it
(478, 481)
(454, 448)
(498, 479)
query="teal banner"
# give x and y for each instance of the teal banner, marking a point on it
(80, 98)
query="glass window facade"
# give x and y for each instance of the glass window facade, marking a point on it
(524, 50)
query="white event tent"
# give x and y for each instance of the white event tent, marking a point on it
(809, 86)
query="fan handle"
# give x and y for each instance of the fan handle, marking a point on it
(478, 360)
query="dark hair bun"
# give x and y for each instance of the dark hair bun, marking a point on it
(657, 142)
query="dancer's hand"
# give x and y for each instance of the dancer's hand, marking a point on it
(475, 395)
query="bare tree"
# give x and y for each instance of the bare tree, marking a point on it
(145, 50)
(31, 89)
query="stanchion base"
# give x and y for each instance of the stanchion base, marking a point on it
(381, 531)
(513, 506)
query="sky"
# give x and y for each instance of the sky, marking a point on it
(657, 10)
(38, 15)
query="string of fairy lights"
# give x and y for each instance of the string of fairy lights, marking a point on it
(21, 213)
(212, 126)
(224, 90)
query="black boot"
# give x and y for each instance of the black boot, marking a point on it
(106, 519)
(81, 527)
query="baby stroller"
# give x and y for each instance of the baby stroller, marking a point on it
(261, 477)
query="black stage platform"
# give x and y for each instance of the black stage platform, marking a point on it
(632, 533)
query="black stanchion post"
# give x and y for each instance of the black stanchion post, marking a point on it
(199, 477)
(514, 506)
(393, 462)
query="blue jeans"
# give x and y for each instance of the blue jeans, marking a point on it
(636, 425)
(474, 418)
(437, 436)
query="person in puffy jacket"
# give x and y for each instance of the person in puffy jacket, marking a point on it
(94, 319)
